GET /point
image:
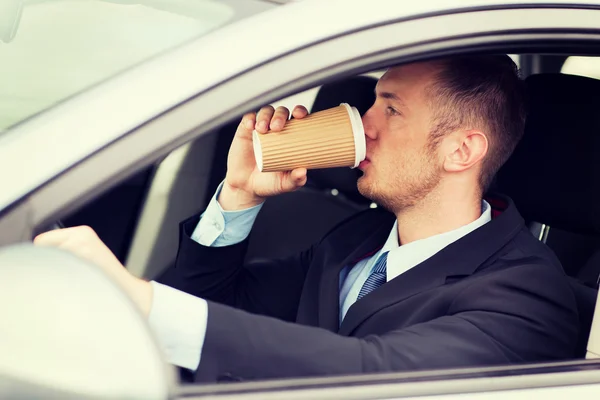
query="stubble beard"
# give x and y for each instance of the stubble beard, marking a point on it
(403, 191)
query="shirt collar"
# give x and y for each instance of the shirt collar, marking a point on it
(402, 258)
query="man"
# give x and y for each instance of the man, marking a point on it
(453, 280)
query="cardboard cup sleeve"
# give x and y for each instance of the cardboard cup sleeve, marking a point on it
(326, 139)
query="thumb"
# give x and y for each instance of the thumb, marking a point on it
(294, 179)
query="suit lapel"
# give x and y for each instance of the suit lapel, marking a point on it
(461, 258)
(360, 247)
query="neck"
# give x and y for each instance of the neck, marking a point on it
(439, 212)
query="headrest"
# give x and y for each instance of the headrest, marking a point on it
(358, 92)
(554, 174)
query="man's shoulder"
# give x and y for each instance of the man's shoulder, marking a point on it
(523, 253)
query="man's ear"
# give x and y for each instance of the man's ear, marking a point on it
(464, 149)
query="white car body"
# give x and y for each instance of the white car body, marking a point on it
(140, 115)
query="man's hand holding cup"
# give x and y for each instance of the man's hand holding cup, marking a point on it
(245, 185)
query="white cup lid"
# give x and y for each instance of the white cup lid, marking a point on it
(360, 143)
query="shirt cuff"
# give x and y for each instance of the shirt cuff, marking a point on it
(219, 228)
(178, 321)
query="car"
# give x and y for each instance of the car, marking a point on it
(118, 114)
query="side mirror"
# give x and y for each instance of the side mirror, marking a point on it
(67, 331)
(10, 16)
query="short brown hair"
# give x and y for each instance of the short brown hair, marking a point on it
(480, 92)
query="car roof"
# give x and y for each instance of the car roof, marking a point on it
(304, 22)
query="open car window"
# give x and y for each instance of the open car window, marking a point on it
(581, 65)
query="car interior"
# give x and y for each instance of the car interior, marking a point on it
(552, 176)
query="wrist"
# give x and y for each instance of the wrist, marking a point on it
(234, 199)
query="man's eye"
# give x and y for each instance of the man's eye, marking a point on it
(392, 111)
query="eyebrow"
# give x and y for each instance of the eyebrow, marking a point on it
(390, 96)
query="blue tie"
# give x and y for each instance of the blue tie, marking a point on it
(377, 277)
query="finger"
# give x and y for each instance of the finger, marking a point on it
(246, 126)
(299, 112)
(299, 175)
(263, 119)
(294, 179)
(59, 236)
(52, 238)
(247, 122)
(279, 119)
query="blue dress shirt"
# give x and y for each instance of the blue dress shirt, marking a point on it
(179, 320)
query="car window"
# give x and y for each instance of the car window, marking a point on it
(307, 97)
(52, 49)
(584, 66)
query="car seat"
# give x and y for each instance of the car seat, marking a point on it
(553, 175)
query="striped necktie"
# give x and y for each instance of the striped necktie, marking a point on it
(377, 277)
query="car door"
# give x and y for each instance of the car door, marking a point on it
(237, 79)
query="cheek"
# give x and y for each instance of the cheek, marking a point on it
(395, 146)
(404, 161)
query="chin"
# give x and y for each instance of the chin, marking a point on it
(365, 187)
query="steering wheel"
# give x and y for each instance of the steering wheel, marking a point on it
(56, 225)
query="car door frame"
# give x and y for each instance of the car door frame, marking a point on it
(573, 378)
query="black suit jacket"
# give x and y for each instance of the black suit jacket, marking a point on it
(495, 296)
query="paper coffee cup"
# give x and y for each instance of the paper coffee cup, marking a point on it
(326, 139)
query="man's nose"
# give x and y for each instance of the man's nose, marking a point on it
(370, 131)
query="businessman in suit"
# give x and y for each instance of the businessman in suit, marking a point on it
(447, 279)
